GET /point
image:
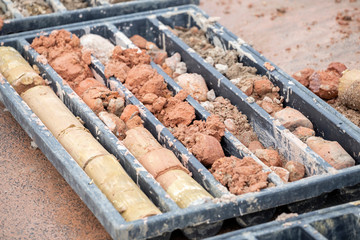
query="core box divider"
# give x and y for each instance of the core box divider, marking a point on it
(338, 222)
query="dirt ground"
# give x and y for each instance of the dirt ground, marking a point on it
(292, 34)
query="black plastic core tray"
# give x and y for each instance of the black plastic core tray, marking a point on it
(99, 9)
(340, 222)
(197, 221)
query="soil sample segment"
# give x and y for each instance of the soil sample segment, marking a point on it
(17, 71)
(163, 165)
(261, 89)
(206, 148)
(200, 137)
(100, 165)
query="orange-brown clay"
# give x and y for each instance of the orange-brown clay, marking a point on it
(254, 145)
(324, 84)
(302, 76)
(269, 156)
(63, 52)
(240, 175)
(331, 151)
(139, 41)
(303, 133)
(207, 149)
(129, 112)
(296, 170)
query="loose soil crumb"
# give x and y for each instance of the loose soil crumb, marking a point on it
(234, 120)
(260, 88)
(32, 7)
(352, 115)
(75, 4)
(240, 175)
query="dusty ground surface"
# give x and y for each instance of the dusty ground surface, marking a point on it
(39, 203)
(43, 206)
(293, 34)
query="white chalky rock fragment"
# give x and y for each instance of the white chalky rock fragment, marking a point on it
(180, 68)
(221, 68)
(194, 84)
(235, 81)
(100, 47)
(211, 95)
(229, 124)
(172, 61)
(209, 60)
(208, 106)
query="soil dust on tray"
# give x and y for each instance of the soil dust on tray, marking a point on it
(32, 7)
(4, 15)
(76, 4)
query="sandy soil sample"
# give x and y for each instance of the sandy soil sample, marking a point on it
(202, 137)
(32, 7)
(260, 88)
(228, 114)
(77, 4)
(125, 123)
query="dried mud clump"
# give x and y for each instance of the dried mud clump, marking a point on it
(203, 139)
(240, 175)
